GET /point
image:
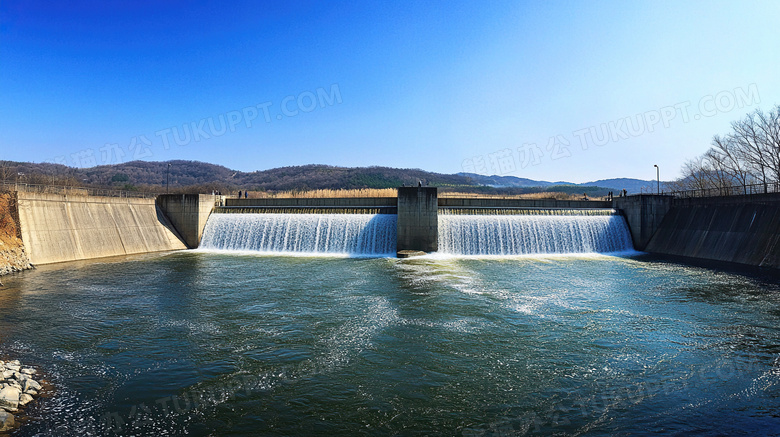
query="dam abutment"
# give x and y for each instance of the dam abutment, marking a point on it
(188, 213)
(644, 214)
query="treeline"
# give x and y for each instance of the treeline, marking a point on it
(747, 155)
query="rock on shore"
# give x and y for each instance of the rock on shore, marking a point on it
(18, 387)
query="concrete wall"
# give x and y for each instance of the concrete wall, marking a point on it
(744, 234)
(418, 221)
(644, 214)
(347, 202)
(736, 229)
(57, 228)
(188, 214)
(447, 202)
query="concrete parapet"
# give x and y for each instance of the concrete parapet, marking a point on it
(58, 227)
(345, 202)
(188, 214)
(644, 214)
(418, 221)
(754, 199)
(451, 202)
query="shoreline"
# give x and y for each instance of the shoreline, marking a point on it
(20, 385)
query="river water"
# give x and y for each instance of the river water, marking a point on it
(203, 343)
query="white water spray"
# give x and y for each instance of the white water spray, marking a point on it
(554, 232)
(347, 234)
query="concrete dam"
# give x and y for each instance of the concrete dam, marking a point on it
(416, 221)
(735, 229)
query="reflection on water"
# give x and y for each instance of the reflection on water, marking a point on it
(216, 344)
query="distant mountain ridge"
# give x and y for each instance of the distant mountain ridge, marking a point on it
(628, 184)
(205, 176)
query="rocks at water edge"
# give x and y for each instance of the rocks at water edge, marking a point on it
(6, 420)
(17, 389)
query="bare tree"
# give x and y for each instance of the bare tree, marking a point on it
(730, 161)
(695, 175)
(747, 137)
(7, 171)
(768, 126)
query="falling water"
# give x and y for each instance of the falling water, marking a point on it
(553, 232)
(348, 234)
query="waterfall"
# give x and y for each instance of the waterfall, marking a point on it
(551, 232)
(346, 234)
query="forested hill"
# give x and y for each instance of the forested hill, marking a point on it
(211, 176)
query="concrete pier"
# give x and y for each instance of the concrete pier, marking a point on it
(418, 221)
(644, 214)
(188, 213)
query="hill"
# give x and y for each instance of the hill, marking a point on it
(205, 177)
(630, 185)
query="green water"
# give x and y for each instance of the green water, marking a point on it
(216, 344)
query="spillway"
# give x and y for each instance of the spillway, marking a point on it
(531, 232)
(326, 234)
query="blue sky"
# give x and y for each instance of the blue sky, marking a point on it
(574, 91)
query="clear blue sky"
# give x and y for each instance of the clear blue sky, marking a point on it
(527, 89)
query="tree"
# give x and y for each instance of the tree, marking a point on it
(748, 154)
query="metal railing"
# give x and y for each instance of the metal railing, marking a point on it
(737, 190)
(73, 191)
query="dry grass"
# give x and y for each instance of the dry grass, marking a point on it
(318, 194)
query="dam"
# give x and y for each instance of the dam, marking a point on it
(363, 227)
(56, 228)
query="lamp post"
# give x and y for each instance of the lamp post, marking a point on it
(167, 177)
(658, 177)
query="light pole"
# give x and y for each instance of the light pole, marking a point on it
(167, 177)
(658, 177)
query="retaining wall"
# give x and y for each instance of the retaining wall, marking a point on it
(57, 228)
(736, 229)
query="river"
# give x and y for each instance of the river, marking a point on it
(208, 343)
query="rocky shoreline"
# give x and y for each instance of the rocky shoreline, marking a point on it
(13, 260)
(18, 388)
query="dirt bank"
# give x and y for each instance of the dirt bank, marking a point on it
(12, 255)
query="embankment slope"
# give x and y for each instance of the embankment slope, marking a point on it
(57, 228)
(746, 233)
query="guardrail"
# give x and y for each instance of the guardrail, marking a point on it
(738, 190)
(73, 191)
